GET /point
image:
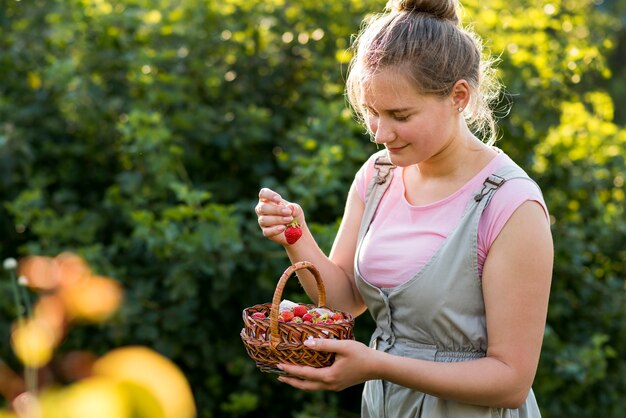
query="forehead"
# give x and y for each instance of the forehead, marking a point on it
(388, 89)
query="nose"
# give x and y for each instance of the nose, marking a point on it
(383, 133)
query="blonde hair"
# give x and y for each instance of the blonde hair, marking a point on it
(425, 41)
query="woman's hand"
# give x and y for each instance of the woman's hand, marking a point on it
(274, 213)
(353, 365)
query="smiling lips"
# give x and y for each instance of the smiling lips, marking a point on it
(396, 149)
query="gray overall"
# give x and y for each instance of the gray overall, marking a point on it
(438, 315)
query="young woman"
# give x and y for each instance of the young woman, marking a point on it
(444, 239)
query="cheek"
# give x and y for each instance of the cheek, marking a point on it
(372, 124)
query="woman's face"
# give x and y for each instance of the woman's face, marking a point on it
(413, 127)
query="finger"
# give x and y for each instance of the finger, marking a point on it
(273, 231)
(323, 344)
(301, 384)
(262, 209)
(292, 209)
(269, 195)
(308, 373)
(270, 221)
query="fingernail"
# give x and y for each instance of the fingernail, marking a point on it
(310, 343)
(279, 367)
(286, 211)
(278, 199)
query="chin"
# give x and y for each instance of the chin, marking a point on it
(399, 161)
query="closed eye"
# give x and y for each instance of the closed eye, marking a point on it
(370, 111)
(398, 115)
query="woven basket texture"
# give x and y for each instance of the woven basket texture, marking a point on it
(270, 342)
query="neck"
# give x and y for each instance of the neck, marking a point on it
(460, 155)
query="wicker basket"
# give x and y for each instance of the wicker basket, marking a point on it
(270, 342)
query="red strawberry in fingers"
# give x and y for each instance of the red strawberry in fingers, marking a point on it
(293, 232)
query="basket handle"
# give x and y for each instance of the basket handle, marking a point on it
(278, 294)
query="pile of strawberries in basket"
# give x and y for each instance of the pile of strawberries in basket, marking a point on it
(299, 314)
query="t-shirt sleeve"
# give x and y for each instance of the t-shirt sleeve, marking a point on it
(504, 202)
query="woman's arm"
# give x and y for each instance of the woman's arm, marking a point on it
(516, 284)
(336, 269)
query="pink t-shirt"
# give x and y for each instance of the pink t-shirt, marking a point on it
(402, 237)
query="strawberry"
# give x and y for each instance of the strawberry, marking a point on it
(307, 317)
(293, 232)
(300, 311)
(337, 316)
(258, 315)
(286, 316)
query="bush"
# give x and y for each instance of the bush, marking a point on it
(138, 134)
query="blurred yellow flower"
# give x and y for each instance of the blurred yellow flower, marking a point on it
(33, 343)
(130, 382)
(95, 397)
(159, 376)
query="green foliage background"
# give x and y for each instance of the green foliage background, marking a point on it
(137, 133)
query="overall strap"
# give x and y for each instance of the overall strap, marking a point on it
(491, 183)
(482, 198)
(497, 179)
(384, 169)
(378, 185)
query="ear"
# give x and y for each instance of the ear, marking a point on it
(460, 95)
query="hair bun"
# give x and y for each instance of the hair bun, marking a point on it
(441, 9)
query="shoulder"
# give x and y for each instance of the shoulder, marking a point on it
(512, 194)
(518, 189)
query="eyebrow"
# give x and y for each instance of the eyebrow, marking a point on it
(399, 110)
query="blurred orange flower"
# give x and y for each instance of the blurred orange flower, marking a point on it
(72, 292)
(39, 272)
(129, 382)
(49, 309)
(47, 273)
(93, 299)
(75, 293)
